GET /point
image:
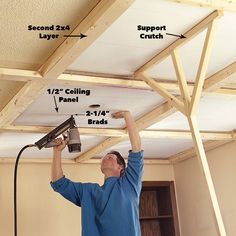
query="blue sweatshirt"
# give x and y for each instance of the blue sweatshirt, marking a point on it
(111, 209)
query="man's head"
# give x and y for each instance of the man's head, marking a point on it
(113, 162)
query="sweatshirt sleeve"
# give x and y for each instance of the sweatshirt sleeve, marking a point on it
(72, 191)
(134, 170)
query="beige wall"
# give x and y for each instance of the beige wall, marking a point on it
(195, 212)
(41, 211)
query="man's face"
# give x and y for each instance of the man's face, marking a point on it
(109, 162)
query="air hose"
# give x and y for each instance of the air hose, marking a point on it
(15, 186)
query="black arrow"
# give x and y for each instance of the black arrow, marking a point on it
(56, 108)
(176, 35)
(76, 35)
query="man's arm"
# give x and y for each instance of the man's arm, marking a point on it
(56, 168)
(134, 170)
(70, 190)
(132, 129)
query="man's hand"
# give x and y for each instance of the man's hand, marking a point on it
(120, 114)
(61, 145)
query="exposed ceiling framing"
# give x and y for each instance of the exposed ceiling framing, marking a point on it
(36, 83)
(180, 96)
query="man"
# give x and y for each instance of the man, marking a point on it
(113, 208)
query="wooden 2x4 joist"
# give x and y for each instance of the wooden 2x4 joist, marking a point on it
(218, 80)
(19, 75)
(146, 133)
(177, 134)
(7, 160)
(106, 132)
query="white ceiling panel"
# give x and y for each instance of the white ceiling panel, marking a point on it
(164, 70)
(177, 121)
(42, 111)
(154, 148)
(216, 113)
(11, 144)
(121, 51)
(111, 58)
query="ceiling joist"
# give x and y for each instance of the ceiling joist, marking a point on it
(18, 75)
(7, 160)
(219, 80)
(178, 134)
(83, 131)
(145, 133)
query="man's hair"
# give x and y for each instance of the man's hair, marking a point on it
(120, 161)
